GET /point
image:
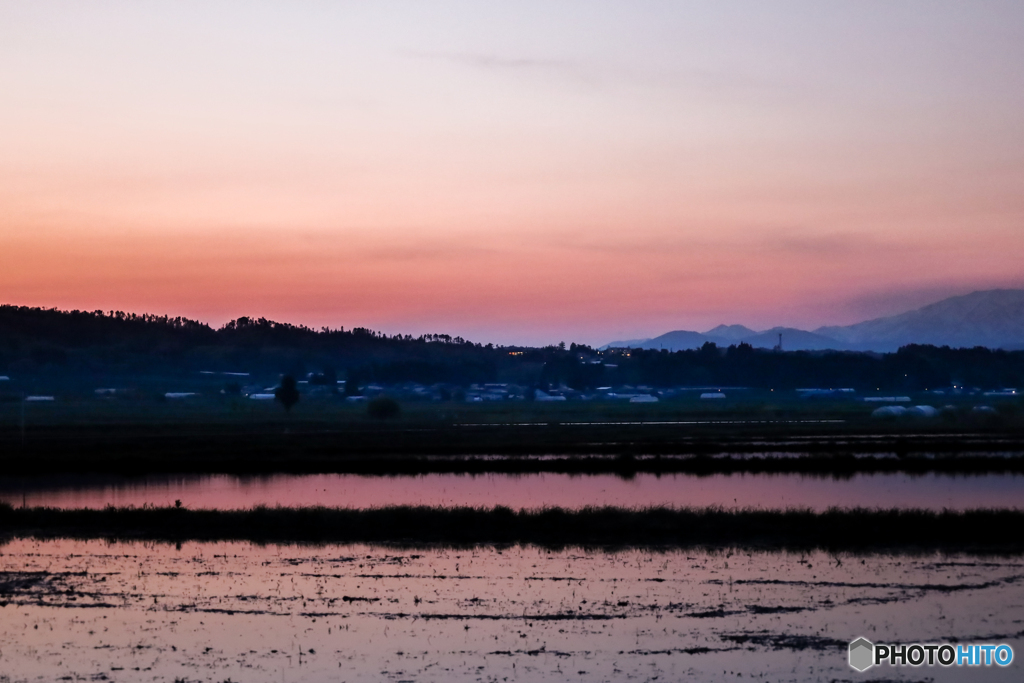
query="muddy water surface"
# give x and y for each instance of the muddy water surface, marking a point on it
(930, 491)
(217, 611)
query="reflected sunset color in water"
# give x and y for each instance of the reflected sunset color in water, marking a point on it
(211, 611)
(929, 491)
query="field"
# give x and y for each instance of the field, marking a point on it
(233, 611)
(491, 593)
(216, 434)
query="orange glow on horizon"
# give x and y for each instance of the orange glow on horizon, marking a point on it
(586, 176)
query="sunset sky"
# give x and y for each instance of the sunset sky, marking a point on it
(512, 172)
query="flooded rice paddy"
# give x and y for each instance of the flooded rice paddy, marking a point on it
(928, 491)
(99, 611)
(242, 612)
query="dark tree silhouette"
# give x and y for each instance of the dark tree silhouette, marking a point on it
(69, 349)
(287, 394)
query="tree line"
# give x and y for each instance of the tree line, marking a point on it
(39, 342)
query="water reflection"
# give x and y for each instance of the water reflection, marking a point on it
(93, 610)
(931, 491)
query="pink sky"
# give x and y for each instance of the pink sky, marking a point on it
(517, 173)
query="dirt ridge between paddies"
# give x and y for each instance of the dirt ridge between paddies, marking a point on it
(837, 530)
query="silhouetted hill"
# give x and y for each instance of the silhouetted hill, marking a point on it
(49, 342)
(994, 319)
(624, 344)
(76, 352)
(681, 340)
(792, 339)
(733, 333)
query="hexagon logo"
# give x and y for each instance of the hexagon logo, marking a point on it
(862, 654)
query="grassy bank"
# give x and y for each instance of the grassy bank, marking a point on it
(977, 531)
(838, 465)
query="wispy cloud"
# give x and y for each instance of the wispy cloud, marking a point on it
(495, 63)
(825, 245)
(490, 61)
(706, 82)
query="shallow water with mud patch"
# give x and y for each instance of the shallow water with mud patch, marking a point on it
(99, 611)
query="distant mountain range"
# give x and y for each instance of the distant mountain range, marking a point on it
(993, 318)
